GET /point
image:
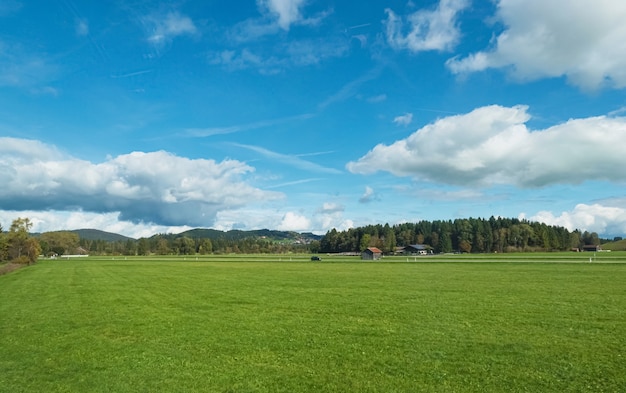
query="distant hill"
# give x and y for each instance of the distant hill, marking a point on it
(615, 246)
(203, 233)
(235, 234)
(96, 234)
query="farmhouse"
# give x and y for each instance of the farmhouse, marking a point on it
(371, 254)
(592, 247)
(416, 249)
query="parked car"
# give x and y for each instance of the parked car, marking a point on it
(316, 258)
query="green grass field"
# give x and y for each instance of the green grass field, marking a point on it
(467, 323)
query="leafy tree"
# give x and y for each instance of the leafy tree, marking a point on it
(21, 247)
(143, 248)
(59, 242)
(314, 246)
(163, 247)
(130, 247)
(185, 246)
(389, 244)
(205, 246)
(465, 246)
(4, 246)
(365, 242)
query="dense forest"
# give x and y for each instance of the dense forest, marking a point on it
(461, 235)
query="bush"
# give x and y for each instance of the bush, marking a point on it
(22, 260)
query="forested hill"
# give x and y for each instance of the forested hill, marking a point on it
(464, 235)
(195, 241)
(96, 234)
(235, 235)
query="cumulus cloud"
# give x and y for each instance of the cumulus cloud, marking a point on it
(164, 28)
(427, 29)
(403, 120)
(54, 220)
(493, 145)
(605, 220)
(583, 40)
(294, 222)
(330, 215)
(156, 187)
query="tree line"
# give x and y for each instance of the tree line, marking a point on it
(168, 244)
(477, 235)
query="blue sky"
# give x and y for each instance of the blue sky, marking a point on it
(141, 117)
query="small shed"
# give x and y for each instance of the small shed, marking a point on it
(592, 247)
(371, 254)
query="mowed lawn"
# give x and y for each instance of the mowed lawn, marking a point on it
(281, 325)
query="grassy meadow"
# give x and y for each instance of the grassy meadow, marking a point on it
(459, 323)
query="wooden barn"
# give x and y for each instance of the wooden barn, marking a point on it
(371, 254)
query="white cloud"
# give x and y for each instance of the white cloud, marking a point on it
(330, 216)
(294, 222)
(156, 187)
(605, 220)
(427, 29)
(276, 16)
(368, 196)
(403, 120)
(332, 208)
(286, 12)
(55, 220)
(164, 28)
(492, 145)
(582, 40)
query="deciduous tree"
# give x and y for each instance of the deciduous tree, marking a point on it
(21, 247)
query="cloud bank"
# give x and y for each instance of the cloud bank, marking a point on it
(606, 220)
(492, 145)
(584, 41)
(156, 187)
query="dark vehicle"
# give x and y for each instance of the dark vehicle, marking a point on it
(316, 258)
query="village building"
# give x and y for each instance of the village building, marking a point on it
(416, 249)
